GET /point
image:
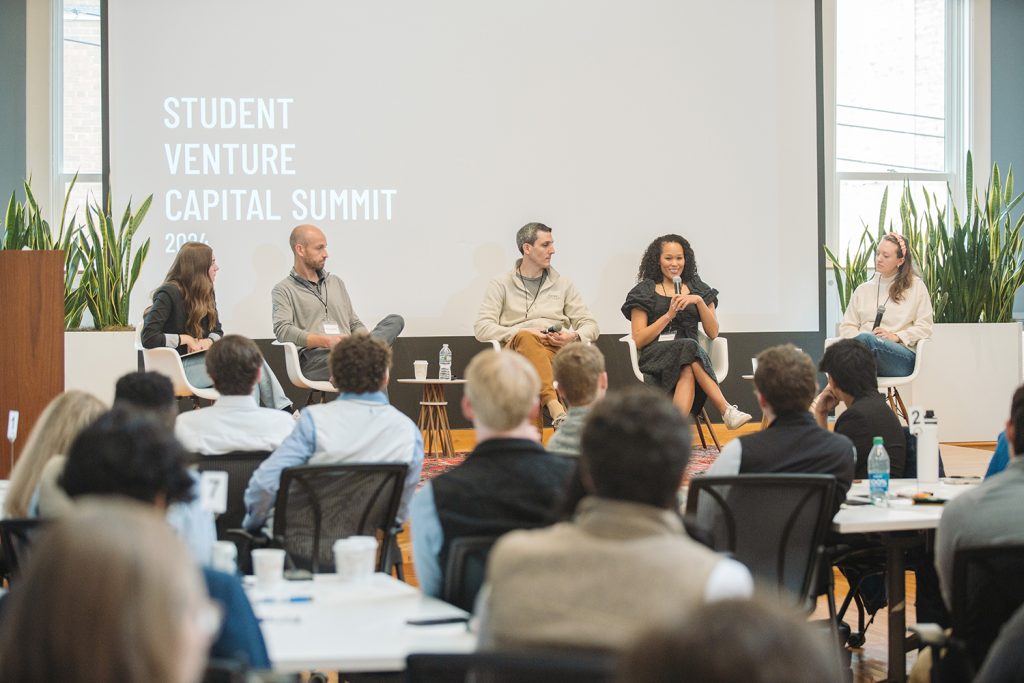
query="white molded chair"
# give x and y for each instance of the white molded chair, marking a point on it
(892, 384)
(295, 376)
(167, 362)
(717, 350)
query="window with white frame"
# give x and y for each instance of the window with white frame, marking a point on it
(78, 134)
(899, 108)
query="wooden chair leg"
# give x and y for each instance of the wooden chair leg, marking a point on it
(700, 432)
(707, 422)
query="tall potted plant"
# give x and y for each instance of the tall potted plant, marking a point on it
(94, 359)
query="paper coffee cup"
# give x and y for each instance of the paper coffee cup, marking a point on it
(268, 566)
(355, 557)
(419, 369)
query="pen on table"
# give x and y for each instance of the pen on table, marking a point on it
(440, 620)
(291, 598)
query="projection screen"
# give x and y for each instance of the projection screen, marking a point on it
(420, 135)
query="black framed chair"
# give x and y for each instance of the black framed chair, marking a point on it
(775, 524)
(464, 574)
(318, 504)
(988, 588)
(16, 538)
(239, 465)
(536, 666)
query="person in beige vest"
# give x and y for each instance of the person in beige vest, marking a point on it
(566, 585)
(535, 311)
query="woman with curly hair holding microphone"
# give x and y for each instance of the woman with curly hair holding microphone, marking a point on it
(665, 308)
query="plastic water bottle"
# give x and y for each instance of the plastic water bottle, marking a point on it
(444, 362)
(878, 473)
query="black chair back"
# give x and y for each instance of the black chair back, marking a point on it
(239, 465)
(464, 575)
(540, 666)
(988, 587)
(775, 524)
(318, 504)
(16, 538)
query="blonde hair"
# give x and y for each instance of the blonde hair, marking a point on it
(502, 387)
(577, 367)
(103, 598)
(57, 427)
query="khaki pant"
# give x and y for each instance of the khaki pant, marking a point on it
(539, 355)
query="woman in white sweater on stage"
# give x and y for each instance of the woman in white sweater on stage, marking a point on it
(892, 311)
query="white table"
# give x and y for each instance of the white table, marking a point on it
(328, 625)
(892, 524)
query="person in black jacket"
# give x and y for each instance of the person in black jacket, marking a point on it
(852, 380)
(184, 317)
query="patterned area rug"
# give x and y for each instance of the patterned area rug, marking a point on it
(700, 460)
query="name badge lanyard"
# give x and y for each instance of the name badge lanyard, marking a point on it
(315, 292)
(526, 291)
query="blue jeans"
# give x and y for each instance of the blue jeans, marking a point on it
(892, 359)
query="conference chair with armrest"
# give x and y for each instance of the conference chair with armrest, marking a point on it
(718, 351)
(239, 466)
(988, 588)
(167, 362)
(295, 376)
(16, 539)
(465, 571)
(318, 504)
(536, 666)
(775, 524)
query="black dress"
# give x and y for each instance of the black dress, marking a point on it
(661, 362)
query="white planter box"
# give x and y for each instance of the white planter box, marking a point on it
(93, 361)
(969, 375)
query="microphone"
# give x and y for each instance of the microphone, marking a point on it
(557, 327)
(878, 317)
(678, 282)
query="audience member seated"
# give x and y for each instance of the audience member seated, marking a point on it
(1000, 458)
(580, 379)
(129, 454)
(853, 381)
(735, 641)
(109, 594)
(785, 385)
(153, 394)
(235, 422)
(625, 562)
(360, 426)
(990, 513)
(56, 428)
(508, 482)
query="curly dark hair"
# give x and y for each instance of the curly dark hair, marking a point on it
(359, 363)
(129, 453)
(650, 268)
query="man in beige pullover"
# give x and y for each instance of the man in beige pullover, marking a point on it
(536, 311)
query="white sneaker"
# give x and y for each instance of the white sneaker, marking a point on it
(735, 418)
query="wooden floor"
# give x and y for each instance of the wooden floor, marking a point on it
(869, 662)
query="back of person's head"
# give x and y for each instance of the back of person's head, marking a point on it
(732, 641)
(360, 364)
(1017, 421)
(56, 428)
(635, 447)
(502, 388)
(127, 453)
(578, 368)
(851, 366)
(108, 594)
(149, 391)
(786, 379)
(234, 365)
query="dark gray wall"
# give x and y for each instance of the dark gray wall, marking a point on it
(742, 347)
(12, 97)
(1008, 98)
